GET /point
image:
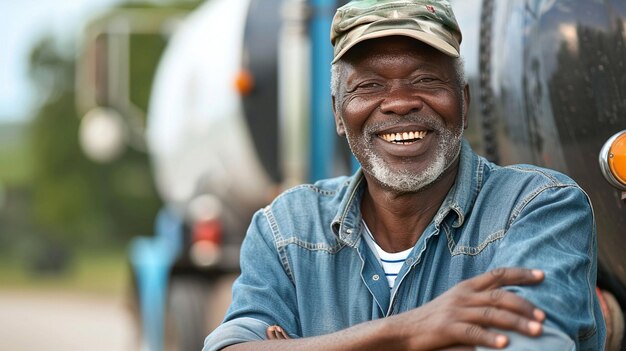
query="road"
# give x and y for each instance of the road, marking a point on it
(68, 321)
(32, 321)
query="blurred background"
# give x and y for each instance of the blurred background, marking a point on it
(128, 166)
(65, 219)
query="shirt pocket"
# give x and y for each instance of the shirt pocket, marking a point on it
(471, 242)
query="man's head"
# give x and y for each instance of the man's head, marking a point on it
(399, 93)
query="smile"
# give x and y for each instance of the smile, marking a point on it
(404, 138)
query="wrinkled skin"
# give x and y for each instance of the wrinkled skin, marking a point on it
(396, 85)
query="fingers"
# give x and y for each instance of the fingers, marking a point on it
(507, 300)
(472, 334)
(478, 306)
(500, 277)
(275, 332)
(502, 319)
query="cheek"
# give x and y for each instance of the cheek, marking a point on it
(449, 107)
(359, 108)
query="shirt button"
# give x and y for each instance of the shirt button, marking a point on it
(376, 277)
(349, 231)
(409, 261)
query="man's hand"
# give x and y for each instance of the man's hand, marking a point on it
(459, 319)
(464, 314)
(275, 332)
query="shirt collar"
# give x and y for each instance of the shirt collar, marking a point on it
(347, 221)
(460, 198)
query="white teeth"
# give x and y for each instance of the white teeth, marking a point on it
(405, 136)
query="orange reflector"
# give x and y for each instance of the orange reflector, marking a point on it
(244, 82)
(617, 158)
(613, 160)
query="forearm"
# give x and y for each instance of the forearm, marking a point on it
(460, 316)
(373, 335)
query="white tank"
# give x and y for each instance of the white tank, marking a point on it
(196, 132)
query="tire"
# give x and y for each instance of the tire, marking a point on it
(187, 320)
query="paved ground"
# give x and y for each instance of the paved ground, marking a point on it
(35, 321)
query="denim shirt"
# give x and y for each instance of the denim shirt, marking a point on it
(306, 267)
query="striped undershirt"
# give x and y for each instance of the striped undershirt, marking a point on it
(391, 262)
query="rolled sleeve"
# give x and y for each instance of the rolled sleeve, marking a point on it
(551, 339)
(235, 332)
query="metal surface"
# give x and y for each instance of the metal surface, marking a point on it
(260, 107)
(558, 78)
(490, 143)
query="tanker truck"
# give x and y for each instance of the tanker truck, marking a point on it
(240, 110)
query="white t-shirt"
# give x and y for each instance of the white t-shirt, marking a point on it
(391, 262)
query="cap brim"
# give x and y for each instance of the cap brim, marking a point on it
(427, 38)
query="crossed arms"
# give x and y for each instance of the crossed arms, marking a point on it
(461, 316)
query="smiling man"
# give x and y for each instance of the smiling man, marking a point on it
(428, 246)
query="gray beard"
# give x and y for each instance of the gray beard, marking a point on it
(403, 181)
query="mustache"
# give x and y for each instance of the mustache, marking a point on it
(434, 123)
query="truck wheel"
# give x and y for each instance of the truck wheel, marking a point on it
(187, 322)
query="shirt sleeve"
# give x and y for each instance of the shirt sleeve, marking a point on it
(554, 230)
(551, 339)
(263, 295)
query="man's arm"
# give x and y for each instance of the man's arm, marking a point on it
(554, 231)
(461, 316)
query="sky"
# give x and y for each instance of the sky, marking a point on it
(22, 23)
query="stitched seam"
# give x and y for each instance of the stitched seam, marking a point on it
(352, 195)
(305, 187)
(479, 177)
(536, 170)
(519, 208)
(475, 250)
(310, 246)
(282, 254)
(470, 250)
(591, 290)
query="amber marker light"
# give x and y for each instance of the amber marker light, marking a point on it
(244, 82)
(613, 160)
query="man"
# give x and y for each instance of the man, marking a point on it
(418, 249)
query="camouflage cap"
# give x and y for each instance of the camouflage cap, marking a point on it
(429, 21)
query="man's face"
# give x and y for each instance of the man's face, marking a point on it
(402, 110)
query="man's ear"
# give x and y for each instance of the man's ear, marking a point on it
(341, 130)
(466, 105)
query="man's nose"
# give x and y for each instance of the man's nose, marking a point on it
(401, 101)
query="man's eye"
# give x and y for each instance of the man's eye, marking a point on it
(425, 80)
(369, 85)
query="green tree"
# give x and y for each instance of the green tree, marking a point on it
(76, 201)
